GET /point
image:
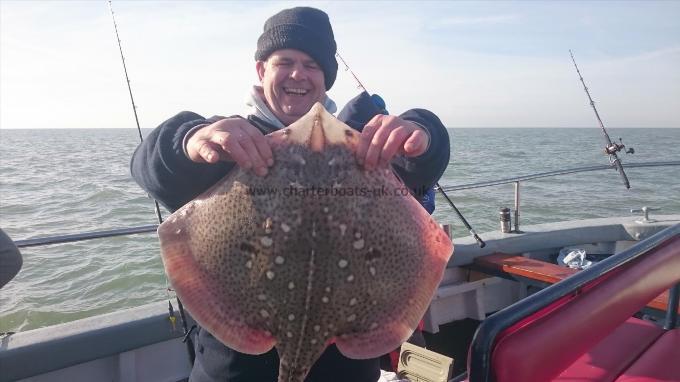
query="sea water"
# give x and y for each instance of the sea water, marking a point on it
(64, 181)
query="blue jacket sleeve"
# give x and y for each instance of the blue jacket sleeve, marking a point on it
(418, 173)
(161, 168)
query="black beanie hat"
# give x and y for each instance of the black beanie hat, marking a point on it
(302, 28)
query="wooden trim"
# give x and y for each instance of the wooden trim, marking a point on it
(525, 267)
(543, 271)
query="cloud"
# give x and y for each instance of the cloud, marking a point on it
(474, 20)
(659, 53)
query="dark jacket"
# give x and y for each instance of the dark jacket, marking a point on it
(160, 166)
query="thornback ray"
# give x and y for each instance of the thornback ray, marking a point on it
(318, 251)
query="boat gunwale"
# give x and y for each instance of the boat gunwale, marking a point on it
(76, 342)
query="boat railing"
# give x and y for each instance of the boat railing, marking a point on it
(518, 179)
(60, 239)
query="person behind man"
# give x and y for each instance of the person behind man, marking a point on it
(10, 259)
(296, 65)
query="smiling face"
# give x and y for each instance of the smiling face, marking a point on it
(292, 82)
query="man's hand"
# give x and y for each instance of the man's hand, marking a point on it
(231, 139)
(385, 136)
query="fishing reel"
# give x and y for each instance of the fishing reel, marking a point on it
(614, 148)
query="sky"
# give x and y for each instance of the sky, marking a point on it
(474, 64)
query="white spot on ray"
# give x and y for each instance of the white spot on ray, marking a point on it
(313, 341)
(249, 264)
(324, 299)
(285, 227)
(328, 289)
(179, 230)
(268, 225)
(357, 235)
(359, 244)
(261, 297)
(325, 209)
(342, 263)
(266, 241)
(317, 328)
(289, 334)
(291, 317)
(343, 229)
(264, 313)
(350, 278)
(351, 318)
(374, 325)
(353, 301)
(291, 285)
(279, 260)
(372, 270)
(270, 275)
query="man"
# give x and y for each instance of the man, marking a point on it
(296, 65)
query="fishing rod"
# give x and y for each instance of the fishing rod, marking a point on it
(380, 103)
(132, 99)
(171, 312)
(611, 148)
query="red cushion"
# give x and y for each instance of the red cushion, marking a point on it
(661, 362)
(614, 354)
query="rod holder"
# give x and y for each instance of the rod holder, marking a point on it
(505, 220)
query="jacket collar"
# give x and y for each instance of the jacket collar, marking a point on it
(258, 107)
